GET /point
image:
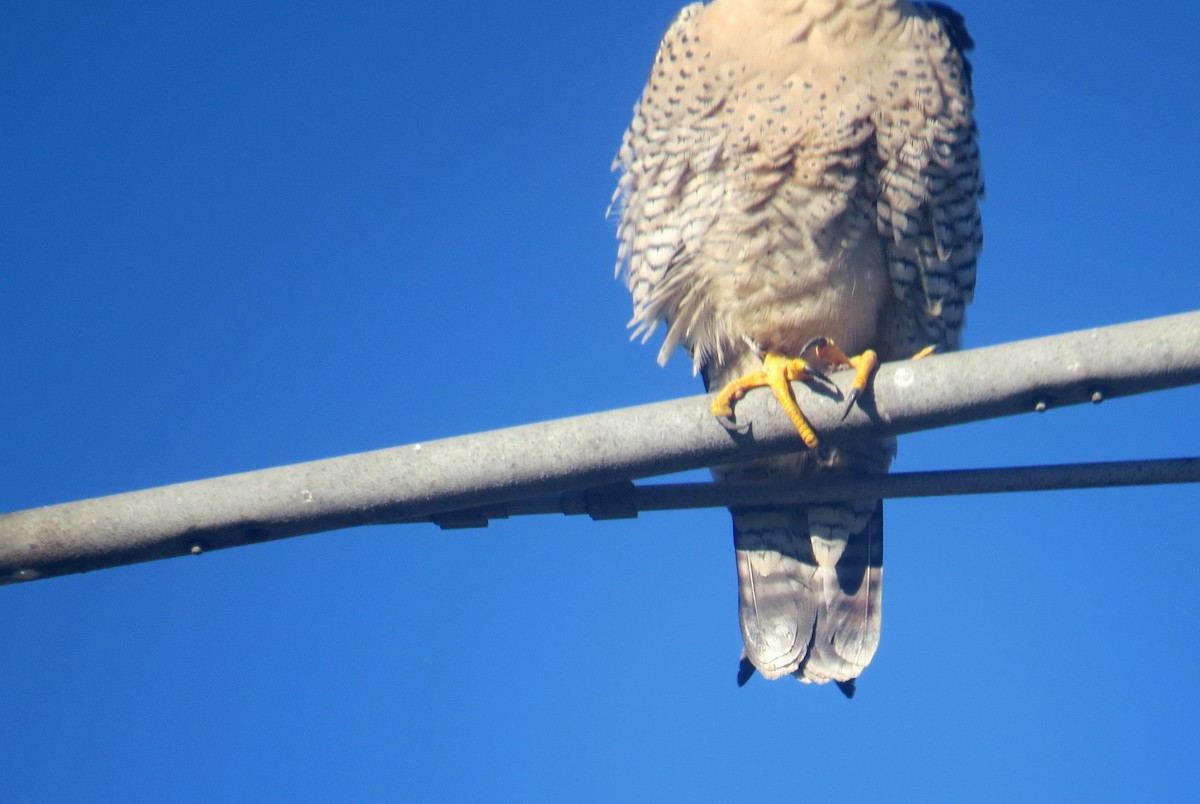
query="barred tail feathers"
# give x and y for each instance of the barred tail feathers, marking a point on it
(809, 588)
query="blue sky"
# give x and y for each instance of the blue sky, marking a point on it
(238, 235)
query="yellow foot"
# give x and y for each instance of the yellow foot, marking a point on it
(776, 373)
(864, 364)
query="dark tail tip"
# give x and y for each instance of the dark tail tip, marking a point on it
(848, 687)
(745, 671)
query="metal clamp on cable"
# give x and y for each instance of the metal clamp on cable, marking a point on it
(614, 501)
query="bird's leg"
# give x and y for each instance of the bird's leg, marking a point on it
(777, 372)
(864, 364)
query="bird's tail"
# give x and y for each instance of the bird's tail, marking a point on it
(809, 588)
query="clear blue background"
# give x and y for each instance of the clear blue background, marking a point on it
(239, 235)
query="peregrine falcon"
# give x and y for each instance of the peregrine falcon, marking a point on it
(801, 182)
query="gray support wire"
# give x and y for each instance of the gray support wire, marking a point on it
(472, 472)
(625, 500)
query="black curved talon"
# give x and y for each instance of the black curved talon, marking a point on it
(816, 343)
(851, 398)
(729, 424)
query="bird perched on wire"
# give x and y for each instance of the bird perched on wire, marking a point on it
(799, 190)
